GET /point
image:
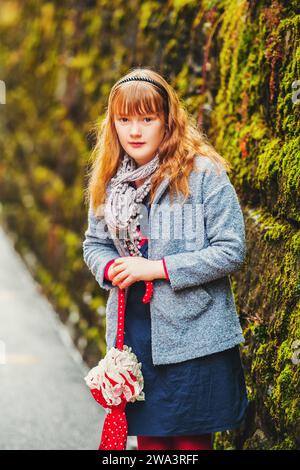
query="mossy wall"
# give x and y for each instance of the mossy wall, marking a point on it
(233, 64)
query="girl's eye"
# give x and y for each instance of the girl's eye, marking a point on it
(125, 119)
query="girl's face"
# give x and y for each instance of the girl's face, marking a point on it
(147, 129)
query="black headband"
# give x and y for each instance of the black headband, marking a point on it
(162, 91)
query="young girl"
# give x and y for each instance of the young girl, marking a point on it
(148, 154)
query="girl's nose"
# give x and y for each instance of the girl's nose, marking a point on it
(135, 130)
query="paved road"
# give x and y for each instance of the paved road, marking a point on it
(44, 401)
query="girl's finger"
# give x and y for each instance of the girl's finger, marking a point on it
(117, 269)
(119, 277)
(126, 283)
(118, 261)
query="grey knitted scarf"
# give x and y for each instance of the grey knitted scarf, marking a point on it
(123, 204)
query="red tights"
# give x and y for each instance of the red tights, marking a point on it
(202, 442)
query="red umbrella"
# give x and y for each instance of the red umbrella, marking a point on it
(116, 380)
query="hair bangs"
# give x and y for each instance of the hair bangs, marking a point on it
(136, 99)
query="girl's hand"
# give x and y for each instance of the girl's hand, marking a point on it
(127, 270)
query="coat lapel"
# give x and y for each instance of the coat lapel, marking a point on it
(161, 189)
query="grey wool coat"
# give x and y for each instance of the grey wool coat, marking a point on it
(193, 313)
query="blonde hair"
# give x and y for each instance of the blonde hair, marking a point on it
(181, 143)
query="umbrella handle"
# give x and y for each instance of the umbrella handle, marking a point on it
(121, 311)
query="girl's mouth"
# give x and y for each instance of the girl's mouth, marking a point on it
(136, 144)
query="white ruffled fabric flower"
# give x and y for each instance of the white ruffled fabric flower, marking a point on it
(116, 365)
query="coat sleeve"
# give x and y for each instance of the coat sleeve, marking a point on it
(98, 249)
(225, 229)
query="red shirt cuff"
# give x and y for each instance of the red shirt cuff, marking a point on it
(107, 268)
(165, 268)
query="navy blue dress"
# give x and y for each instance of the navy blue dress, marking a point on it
(193, 397)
